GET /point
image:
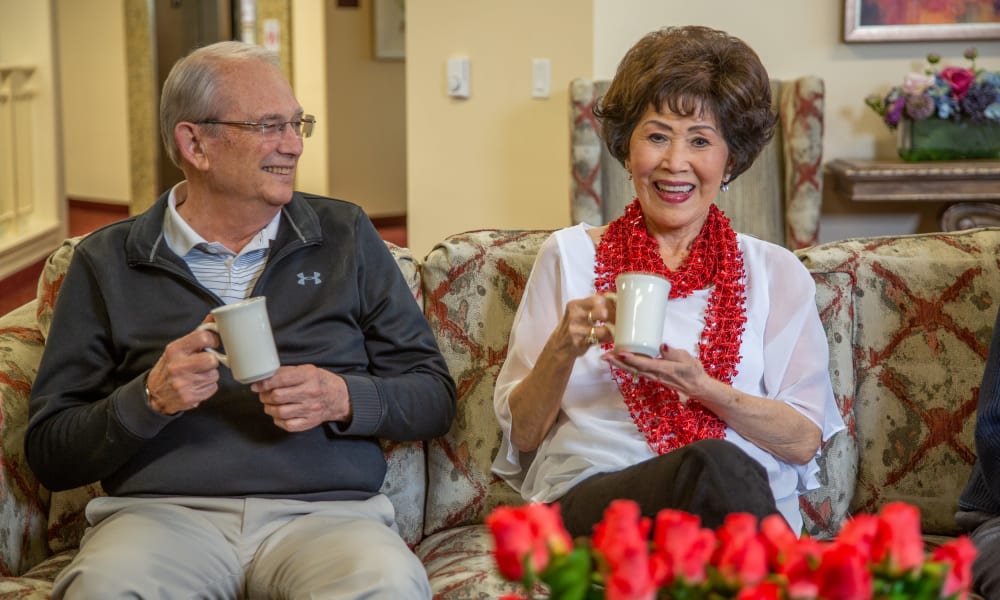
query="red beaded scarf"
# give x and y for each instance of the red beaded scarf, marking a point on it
(715, 260)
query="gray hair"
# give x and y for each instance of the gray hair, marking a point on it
(191, 91)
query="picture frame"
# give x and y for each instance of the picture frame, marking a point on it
(389, 29)
(902, 21)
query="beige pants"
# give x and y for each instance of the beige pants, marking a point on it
(241, 548)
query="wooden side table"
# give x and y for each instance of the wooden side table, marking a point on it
(971, 188)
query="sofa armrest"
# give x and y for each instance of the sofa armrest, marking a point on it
(23, 502)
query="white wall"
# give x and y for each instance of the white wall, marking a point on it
(801, 37)
(27, 38)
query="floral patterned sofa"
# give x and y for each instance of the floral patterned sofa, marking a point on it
(908, 320)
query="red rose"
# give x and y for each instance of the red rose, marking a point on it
(959, 555)
(767, 590)
(843, 574)
(622, 540)
(859, 532)
(740, 558)
(682, 548)
(899, 542)
(799, 565)
(959, 79)
(526, 534)
(778, 539)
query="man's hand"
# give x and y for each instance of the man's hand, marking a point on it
(302, 397)
(185, 375)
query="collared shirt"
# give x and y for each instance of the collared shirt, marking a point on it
(230, 275)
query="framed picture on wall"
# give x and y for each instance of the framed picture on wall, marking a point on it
(389, 29)
(920, 21)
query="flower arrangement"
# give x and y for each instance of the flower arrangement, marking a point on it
(953, 93)
(879, 557)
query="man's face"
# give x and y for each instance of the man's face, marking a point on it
(243, 165)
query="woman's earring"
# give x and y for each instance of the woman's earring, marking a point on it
(629, 171)
(725, 184)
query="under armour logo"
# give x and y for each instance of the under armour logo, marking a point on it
(315, 278)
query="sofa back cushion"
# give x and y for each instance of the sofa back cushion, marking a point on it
(405, 481)
(924, 307)
(473, 283)
(825, 509)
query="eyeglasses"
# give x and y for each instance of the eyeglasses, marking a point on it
(302, 127)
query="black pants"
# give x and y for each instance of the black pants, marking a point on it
(710, 478)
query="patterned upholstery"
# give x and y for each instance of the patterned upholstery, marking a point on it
(908, 321)
(777, 199)
(924, 308)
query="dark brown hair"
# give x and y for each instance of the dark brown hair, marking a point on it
(689, 69)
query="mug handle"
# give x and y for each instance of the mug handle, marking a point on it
(213, 327)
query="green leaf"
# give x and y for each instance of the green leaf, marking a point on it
(568, 576)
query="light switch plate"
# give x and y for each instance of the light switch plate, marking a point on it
(457, 79)
(541, 77)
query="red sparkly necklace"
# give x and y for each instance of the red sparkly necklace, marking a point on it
(714, 260)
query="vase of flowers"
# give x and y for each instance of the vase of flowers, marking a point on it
(948, 113)
(877, 557)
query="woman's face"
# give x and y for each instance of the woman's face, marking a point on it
(677, 165)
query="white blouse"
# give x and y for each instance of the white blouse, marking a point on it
(783, 356)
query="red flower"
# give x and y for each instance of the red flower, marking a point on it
(843, 574)
(622, 540)
(959, 79)
(778, 539)
(683, 548)
(741, 558)
(527, 534)
(799, 565)
(859, 533)
(899, 542)
(959, 555)
(767, 590)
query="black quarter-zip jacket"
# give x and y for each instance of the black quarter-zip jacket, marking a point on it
(335, 298)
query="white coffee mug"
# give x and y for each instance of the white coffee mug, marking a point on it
(246, 336)
(640, 310)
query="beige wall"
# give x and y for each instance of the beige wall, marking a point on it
(364, 116)
(309, 78)
(95, 138)
(27, 39)
(499, 158)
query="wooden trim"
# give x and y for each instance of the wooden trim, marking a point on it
(389, 221)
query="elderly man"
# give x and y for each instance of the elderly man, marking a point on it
(218, 489)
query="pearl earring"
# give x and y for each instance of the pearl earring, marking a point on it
(725, 184)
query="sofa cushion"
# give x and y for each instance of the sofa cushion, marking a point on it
(405, 481)
(473, 283)
(924, 308)
(460, 565)
(23, 502)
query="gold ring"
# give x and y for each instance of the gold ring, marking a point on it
(591, 339)
(590, 316)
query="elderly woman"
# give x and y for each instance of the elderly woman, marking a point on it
(730, 416)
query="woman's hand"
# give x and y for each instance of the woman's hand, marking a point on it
(534, 403)
(583, 324)
(771, 424)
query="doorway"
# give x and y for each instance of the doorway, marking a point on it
(180, 26)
